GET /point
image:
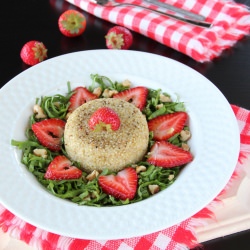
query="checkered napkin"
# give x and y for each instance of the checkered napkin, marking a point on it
(180, 236)
(231, 22)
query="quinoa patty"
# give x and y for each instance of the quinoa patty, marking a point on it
(106, 149)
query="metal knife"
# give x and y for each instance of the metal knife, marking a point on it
(177, 10)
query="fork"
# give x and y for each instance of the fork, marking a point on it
(113, 3)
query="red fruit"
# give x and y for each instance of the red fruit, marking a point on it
(49, 133)
(122, 186)
(61, 169)
(167, 155)
(165, 126)
(104, 118)
(137, 96)
(80, 96)
(33, 52)
(119, 37)
(72, 23)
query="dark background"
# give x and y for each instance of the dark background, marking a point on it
(22, 21)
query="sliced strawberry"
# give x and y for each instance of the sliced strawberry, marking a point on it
(61, 169)
(80, 96)
(104, 118)
(137, 96)
(122, 186)
(49, 133)
(167, 155)
(165, 126)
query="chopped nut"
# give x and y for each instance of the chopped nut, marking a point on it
(185, 146)
(164, 98)
(97, 91)
(40, 152)
(92, 175)
(126, 83)
(107, 93)
(185, 135)
(159, 106)
(170, 177)
(39, 112)
(153, 189)
(140, 168)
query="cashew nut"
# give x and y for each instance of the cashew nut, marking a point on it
(107, 93)
(92, 175)
(185, 135)
(164, 98)
(185, 146)
(40, 152)
(97, 91)
(153, 189)
(126, 83)
(140, 168)
(39, 112)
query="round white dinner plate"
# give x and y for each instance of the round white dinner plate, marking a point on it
(214, 144)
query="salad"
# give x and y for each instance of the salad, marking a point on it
(168, 150)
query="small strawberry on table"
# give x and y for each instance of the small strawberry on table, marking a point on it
(33, 52)
(119, 37)
(72, 23)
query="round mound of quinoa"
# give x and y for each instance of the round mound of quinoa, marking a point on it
(96, 150)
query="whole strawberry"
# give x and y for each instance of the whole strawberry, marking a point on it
(72, 23)
(33, 52)
(119, 37)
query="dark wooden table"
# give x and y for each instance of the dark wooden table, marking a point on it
(22, 21)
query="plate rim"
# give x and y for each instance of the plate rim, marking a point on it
(119, 235)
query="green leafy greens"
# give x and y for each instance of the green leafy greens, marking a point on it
(87, 192)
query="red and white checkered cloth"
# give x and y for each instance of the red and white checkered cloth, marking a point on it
(231, 22)
(180, 236)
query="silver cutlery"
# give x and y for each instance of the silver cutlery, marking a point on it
(177, 10)
(113, 3)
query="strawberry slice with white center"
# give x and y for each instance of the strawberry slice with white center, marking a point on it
(49, 133)
(81, 95)
(136, 96)
(61, 169)
(165, 126)
(167, 155)
(105, 119)
(122, 186)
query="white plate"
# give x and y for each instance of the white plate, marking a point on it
(215, 145)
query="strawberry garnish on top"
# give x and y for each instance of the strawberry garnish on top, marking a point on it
(104, 118)
(165, 126)
(49, 133)
(80, 96)
(136, 96)
(167, 155)
(122, 186)
(61, 169)
(72, 23)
